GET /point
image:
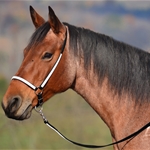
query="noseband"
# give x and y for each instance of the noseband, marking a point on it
(39, 90)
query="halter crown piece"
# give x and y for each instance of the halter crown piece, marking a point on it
(38, 90)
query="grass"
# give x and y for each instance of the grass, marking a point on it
(69, 113)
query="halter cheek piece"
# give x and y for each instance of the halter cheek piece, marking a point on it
(39, 90)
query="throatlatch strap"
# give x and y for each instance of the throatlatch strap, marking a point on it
(97, 146)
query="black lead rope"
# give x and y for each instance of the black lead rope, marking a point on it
(39, 110)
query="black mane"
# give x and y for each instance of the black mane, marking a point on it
(126, 67)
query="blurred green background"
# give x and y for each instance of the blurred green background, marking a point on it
(127, 21)
(68, 112)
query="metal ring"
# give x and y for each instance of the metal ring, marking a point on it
(38, 109)
(38, 91)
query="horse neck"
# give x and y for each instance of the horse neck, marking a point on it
(120, 114)
(98, 96)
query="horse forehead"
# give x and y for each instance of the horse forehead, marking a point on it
(49, 41)
(50, 36)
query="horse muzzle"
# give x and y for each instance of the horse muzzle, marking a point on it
(15, 109)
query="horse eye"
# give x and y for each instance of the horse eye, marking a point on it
(47, 55)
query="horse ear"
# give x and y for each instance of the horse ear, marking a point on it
(55, 24)
(36, 18)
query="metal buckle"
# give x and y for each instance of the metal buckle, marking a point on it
(39, 110)
(39, 93)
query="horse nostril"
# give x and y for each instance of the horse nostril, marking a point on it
(14, 104)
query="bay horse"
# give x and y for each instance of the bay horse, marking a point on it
(113, 77)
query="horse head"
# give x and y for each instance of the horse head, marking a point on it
(40, 57)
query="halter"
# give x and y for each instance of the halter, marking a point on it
(39, 90)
